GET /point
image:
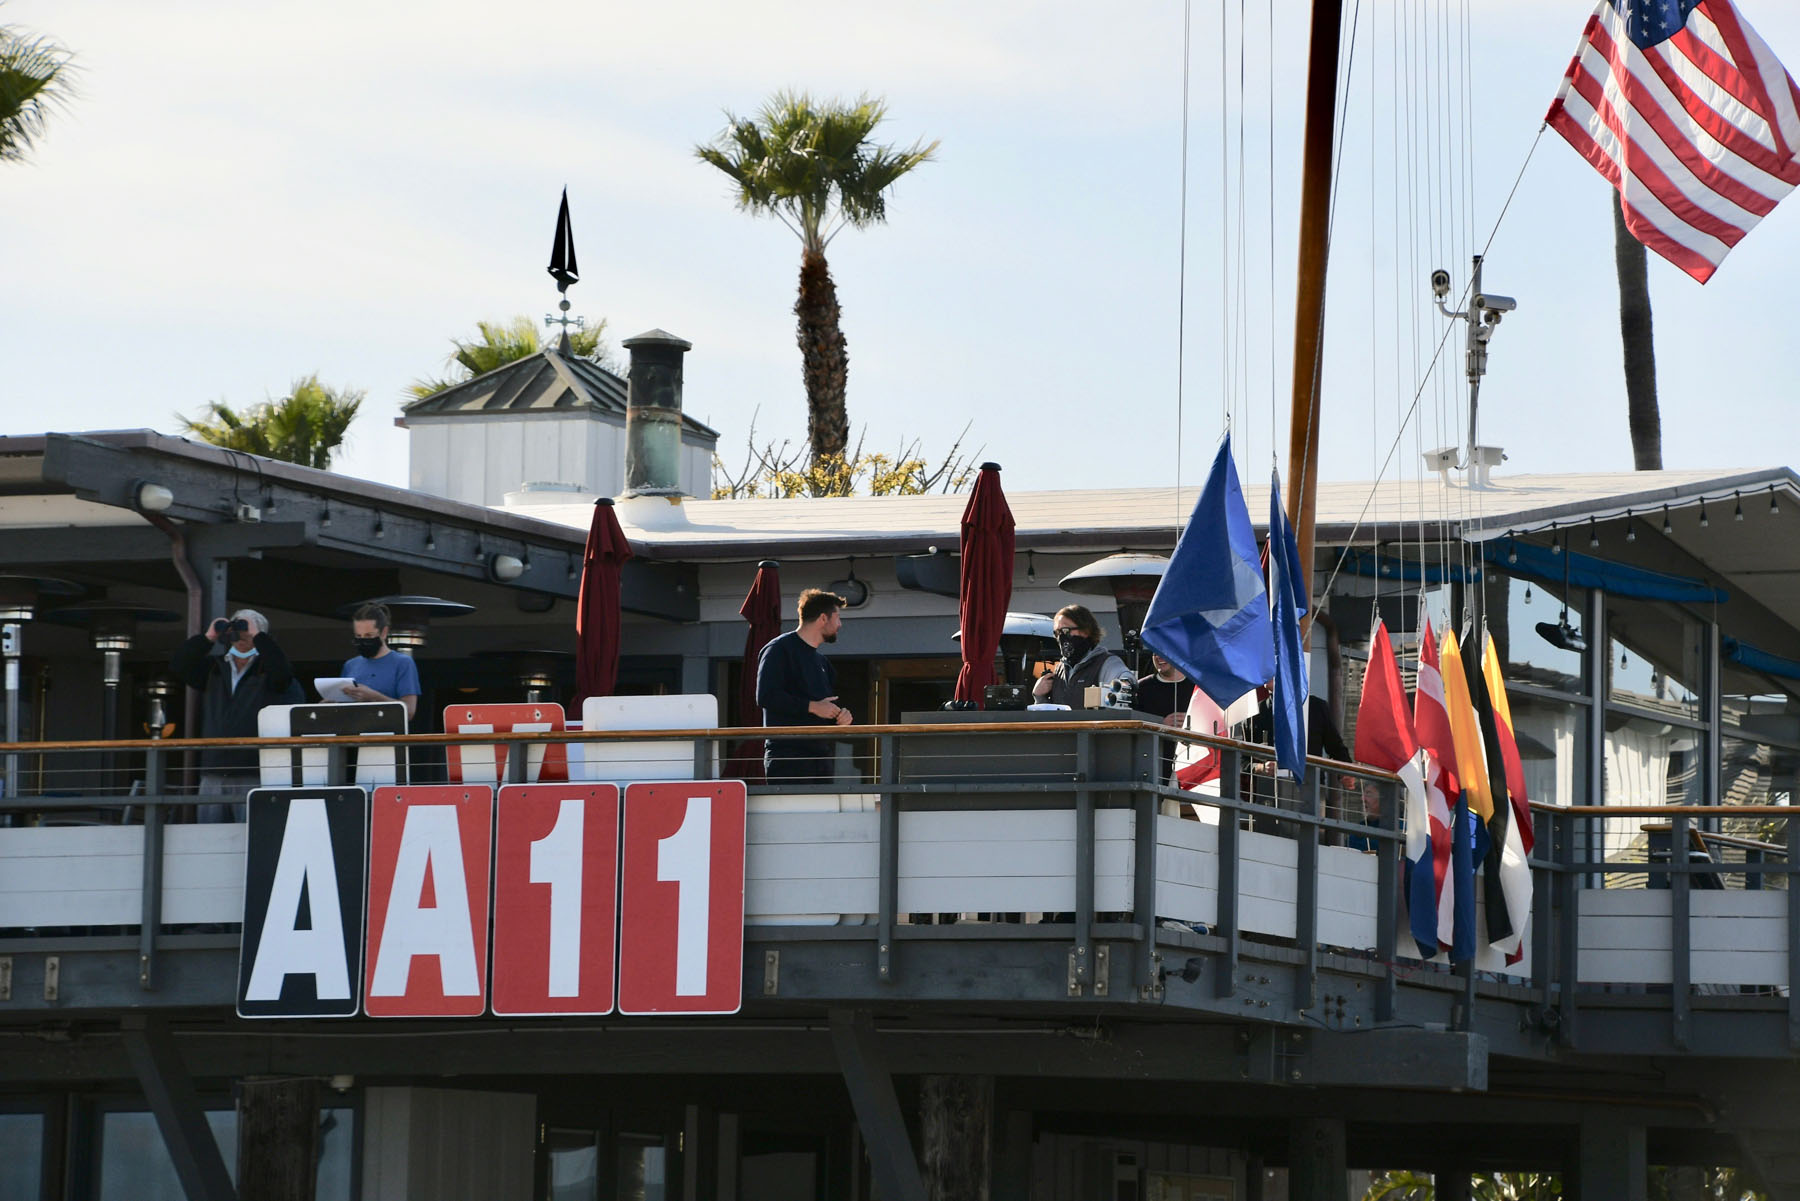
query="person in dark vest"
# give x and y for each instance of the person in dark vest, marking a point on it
(1084, 664)
(797, 686)
(238, 669)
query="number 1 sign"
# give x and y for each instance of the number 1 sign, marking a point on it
(556, 866)
(681, 933)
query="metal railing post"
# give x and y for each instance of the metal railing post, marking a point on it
(1084, 862)
(1568, 925)
(1143, 890)
(1543, 928)
(1791, 838)
(1681, 966)
(150, 899)
(888, 886)
(1306, 893)
(1230, 762)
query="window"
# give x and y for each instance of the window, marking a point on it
(21, 1156)
(1656, 658)
(574, 1171)
(135, 1163)
(1650, 762)
(643, 1168)
(1552, 739)
(1528, 655)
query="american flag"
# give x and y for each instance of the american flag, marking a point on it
(1686, 110)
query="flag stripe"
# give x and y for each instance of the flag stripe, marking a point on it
(1697, 132)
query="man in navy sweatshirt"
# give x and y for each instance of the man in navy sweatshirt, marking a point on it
(796, 686)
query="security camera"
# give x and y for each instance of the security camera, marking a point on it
(1440, 283)
(1495, 304)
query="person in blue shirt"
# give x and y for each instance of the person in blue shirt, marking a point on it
(796, 686)
(381, 673)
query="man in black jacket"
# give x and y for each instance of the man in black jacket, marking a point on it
(238, 669)
(796, 686)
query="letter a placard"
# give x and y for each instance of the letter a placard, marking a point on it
(681, 928)
(429, 851)
(301, 954)
(556, 875)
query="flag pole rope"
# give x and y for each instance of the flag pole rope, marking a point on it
(1437, 354)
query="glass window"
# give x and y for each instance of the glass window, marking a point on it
(1516, 609)
(21, 1156)
(1757, 773)
(574, 1173)
(1757, 706)
(135, 1163)
(1656, 658)
(1649, 762)
(1552, 738)
(643, 1168)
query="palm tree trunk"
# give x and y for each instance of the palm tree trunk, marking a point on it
(1639, 344)
(825, 363)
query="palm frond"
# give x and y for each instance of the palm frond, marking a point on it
(36, 79)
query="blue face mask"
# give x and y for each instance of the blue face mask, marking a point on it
(235, 653)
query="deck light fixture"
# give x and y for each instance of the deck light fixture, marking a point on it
(1668, 526)
(325, 516)
(503, 569)
(1703, 521)
(430, 539)
(1774, 504)
(151, 498)
(1031, 556)
(1630, 527)
(380, 530)
(1737, 512)
(1593, 534)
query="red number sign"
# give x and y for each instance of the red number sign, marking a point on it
(681, 929)
(429, 849)
(556, 861)
(485, 763)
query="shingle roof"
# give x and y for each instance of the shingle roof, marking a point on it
(548, 380)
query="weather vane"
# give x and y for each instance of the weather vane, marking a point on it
(565, 272)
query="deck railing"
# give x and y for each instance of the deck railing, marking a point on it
(929, 825)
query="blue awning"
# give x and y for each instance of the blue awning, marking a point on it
(1531, 561)
(1760, 660)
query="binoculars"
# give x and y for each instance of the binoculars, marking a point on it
(233, 629)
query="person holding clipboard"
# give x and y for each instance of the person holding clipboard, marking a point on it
(376, 672)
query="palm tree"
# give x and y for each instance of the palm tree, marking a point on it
(811, 165)
(306, 426)
(35, 78)
(498, 343)
(1636, 337)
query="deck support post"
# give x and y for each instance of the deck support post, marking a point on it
(956, 1119)
(1451, 1184)
(278, 1137)
(1316, 1154)
(877, 1107)
(1610, 1165)
(176, 1106)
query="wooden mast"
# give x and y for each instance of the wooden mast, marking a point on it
(1309, 302)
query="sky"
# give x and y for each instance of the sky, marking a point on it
(244, 194)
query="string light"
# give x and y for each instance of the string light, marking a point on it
(1668, 526)
(1555, 543)
(325, 516)
(1031, 566)
(1630, 529)
(1774, 505)
(380, 532)
(1737, 512)
(1593, 534)
(430, 539)
(1703, 521)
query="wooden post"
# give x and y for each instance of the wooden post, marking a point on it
(1309, 300)
(278, 1138)
(956, 1118)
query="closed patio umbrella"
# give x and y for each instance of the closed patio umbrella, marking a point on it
(762, 609)
(987, 573)
(597, 610)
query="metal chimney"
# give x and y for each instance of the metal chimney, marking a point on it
(653, 414)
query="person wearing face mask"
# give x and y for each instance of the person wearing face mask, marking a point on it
(1084, 662)
(238, 669)
(380, 672)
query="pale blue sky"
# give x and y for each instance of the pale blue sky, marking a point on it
(248, 193)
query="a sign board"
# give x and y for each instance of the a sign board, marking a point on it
(304, 866)
(299, 766)
(429, 855)
(556, 875)
(681, 902)
(485, 763)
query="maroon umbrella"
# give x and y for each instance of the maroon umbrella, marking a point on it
(762, 609)
(597, 610)
(987, 574)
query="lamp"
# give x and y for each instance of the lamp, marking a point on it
(503, 569)
(854, 591)
(151, 498)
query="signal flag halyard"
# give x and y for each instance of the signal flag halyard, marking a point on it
(1685, 109)
(1385, 739)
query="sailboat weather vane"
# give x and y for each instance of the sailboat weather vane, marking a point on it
(564, 271)
(1483, 317)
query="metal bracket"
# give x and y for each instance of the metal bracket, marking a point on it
(1102, 968)
(771, 973)
(5, 977)
(1074, 975)
(52, 971)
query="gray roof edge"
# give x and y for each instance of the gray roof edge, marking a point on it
(1647, 501)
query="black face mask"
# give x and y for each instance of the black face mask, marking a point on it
(368, 648)
(1074, 647)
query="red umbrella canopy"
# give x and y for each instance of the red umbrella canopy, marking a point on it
(987, 575)
(762, 609)
(597, 626)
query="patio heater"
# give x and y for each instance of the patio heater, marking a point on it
(114, 631)
(20, 598)
(411, 617)
(537, 669)
(1026, 639)
(1131, 580)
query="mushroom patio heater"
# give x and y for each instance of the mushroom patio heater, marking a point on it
(114, 630)
(1131, 580)
(1026, 639)
(536, 669)
(20, 598)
